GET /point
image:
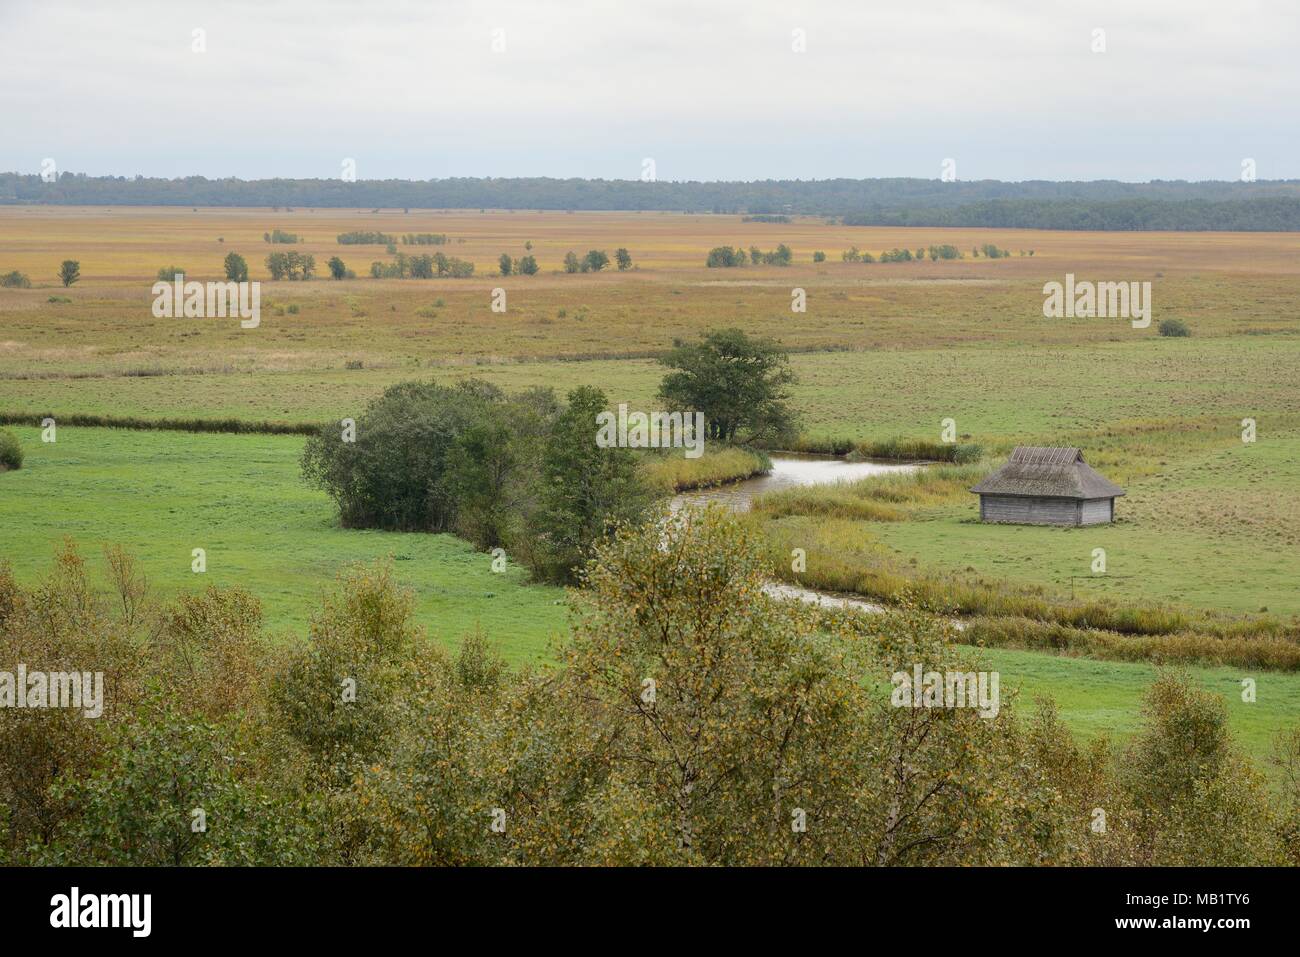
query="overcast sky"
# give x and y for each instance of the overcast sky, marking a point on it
(710, 89)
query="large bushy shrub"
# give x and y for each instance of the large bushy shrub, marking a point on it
(394, 475)
(519, 471)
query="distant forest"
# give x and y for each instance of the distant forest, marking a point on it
(1099, 205)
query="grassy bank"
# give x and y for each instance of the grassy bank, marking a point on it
(673, 472)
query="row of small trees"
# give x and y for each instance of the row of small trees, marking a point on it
(727, 257)
(299, 266)
(421, 267)
(595, 260)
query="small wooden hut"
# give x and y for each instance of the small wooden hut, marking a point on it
(1047, 486)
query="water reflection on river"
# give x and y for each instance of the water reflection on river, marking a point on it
(789, 471)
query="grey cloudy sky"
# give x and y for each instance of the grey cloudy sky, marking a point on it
(711, 89)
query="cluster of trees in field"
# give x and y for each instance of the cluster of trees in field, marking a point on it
(523, 472)
(725, 257)
(361, 237)
(934, 253)
(339, 269)
(424, 239)
(765, 218)
(291, 265)
(1102, 205)
(280, 236)
(595, 260)
(689, 720)
(523, 266)
(15, 280)
(422, 267)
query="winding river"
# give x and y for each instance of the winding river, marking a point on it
(791, 471)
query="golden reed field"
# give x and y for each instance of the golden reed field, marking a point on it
(1222, 283)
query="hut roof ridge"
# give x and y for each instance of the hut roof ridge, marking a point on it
(1049, 472)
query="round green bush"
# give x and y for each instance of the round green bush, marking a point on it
(11, 453)
(1173, 327)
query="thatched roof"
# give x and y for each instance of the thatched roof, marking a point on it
(1049, 473)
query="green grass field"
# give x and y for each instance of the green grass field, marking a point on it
(162, 494)
(239, 497)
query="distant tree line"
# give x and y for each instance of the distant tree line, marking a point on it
(1101, 205)
(280, 236)
(1281, 214)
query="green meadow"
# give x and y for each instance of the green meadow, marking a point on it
(239, 497)
(162, 494)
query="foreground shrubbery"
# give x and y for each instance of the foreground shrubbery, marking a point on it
(690, 720)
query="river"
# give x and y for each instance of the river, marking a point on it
(791, 471)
